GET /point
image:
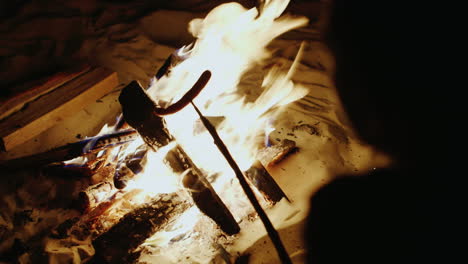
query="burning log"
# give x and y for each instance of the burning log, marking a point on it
(94, 195)
(262, 180)
(72, 150)
(119, 243)
(274, 154)
(129, 167)
(94, 218)
(207, 200)
(138, 110)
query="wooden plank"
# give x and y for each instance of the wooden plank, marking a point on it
(21, 95)
(51, 108)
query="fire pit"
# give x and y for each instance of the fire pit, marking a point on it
(167, 182)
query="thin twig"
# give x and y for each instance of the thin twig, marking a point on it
(72, 150)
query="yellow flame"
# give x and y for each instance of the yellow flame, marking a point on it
(230, 40)
(156, 176)
(184, 224)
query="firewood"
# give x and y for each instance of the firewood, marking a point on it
(138, 111)
(92, 218)
(264, 182)
(203, 194)
(50, 108)
(93, 195)
(119, 243)
(274, 154)
(25, 93)
(131, 165)
(72, 150)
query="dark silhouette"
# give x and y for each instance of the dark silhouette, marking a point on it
(387, 215)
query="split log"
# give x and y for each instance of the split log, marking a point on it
(264, 182)
(72, 150)
(19, 96)
(119, 243)
(138, 111)
(49, 109)
(274, 154)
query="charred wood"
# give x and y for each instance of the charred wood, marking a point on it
(119, 243)
(262, 180)
(275, 154)
(204, 196)
(62, 230)
(164, 68)
(131, 165)
(139, 111)
(94, 195)
(100, 219)
(201, 191)
(72, 150)
(68, 171)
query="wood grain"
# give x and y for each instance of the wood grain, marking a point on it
(51, 108)
(33, 89)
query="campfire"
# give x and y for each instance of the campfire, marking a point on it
(181, 176)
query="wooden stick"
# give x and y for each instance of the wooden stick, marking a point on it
(272, 233)
(72, 150)
(50, 108)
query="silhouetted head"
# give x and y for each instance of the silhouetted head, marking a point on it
(377, 49)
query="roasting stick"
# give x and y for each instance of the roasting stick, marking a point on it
(272, 233)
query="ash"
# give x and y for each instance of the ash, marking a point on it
(204, 244)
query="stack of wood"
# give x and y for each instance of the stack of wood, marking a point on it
(36, 106)
(36, 115)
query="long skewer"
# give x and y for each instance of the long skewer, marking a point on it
(272, 233)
